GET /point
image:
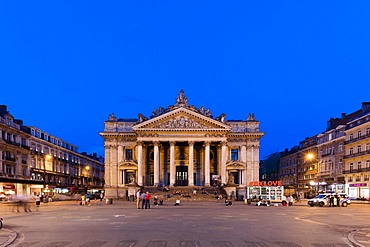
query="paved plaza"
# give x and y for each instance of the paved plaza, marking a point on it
(192, 224)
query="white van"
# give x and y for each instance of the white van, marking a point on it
(323, 200)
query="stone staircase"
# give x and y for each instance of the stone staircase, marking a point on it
(187, 194)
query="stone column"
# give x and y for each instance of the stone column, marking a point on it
(161, 165)
(120, 153)
(223, 162)
(243, 151)
(140, 163)
(191, 164)
(256, 171)
(206, 163)
(156, 163)
(107, 174)
(172, 163)
(114, 166)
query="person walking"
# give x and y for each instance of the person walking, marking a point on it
(83, 200)
(142, 197)
(138, 195)
(147, 200)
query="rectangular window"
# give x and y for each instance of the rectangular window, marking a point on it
(358, 149)
(359, 134)
(234, 154)
(128, 154)
(351, 151)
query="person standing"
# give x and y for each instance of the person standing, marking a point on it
(331, 201)
(138, 195)
(290, 200)
(38, 200)
(147, 200)
(142, 197)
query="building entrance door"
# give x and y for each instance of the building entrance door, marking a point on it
(181, 175)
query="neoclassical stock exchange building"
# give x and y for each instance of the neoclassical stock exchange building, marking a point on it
(180, 145)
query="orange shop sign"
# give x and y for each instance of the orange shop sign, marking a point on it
(266, 183)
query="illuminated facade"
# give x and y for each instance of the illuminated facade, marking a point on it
(32, 161)
(180, 145)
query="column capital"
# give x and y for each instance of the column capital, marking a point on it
(207, 143)
(191, 143)
(140, 143)
(172, 143)
(156, 143)
(224, 143)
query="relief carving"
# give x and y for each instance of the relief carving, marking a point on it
(181, 122)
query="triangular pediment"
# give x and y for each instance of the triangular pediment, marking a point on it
(181, 119)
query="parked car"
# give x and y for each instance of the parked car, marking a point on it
(323, 200)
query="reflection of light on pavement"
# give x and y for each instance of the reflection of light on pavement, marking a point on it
(118, 215)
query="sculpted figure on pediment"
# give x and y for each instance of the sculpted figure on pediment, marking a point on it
(181, 122)
(141, 117)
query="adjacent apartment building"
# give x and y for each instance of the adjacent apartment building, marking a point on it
(34, 162)
(337, 159)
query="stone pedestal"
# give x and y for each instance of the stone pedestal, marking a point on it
(230, 191)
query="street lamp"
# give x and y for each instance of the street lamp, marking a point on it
(310, 156)
(87, 168)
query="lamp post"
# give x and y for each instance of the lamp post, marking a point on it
(87, 168)
(310, 157)
(48, 165)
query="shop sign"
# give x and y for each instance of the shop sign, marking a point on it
(357, 185)
(266, 183)
(9, 186)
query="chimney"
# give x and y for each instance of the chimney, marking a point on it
(4, 107)
(94, 155)
(365, 104)
(343, 115)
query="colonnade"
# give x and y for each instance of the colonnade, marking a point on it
(115, 155)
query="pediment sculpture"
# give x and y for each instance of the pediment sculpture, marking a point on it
(181, 122)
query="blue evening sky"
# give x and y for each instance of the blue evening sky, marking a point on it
(66, 65)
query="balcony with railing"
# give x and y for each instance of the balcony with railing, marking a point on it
(357, 139)
(350, 171)
(356, 154)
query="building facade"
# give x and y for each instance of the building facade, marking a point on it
(336, 160)
(32, 161)
(180, 145)
(357, 154)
